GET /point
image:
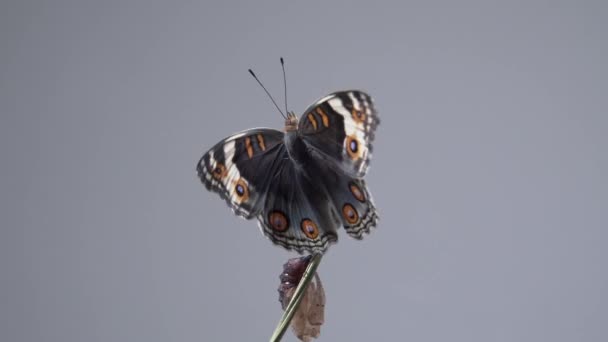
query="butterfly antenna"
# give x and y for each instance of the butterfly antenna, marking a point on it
(267, 93)
(284, 83)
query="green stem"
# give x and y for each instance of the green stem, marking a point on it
(292, 307)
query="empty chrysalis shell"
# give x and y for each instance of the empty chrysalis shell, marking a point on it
(307, 321)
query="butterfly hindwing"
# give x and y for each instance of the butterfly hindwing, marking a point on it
(239, 167)
(297, 212)
(340, 128)
(353, 201)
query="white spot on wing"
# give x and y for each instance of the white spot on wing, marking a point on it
(351, 127)
(354, 100)
(211, 160)
(233, 171)
(233, 175)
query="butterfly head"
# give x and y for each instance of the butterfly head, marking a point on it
(291, 122)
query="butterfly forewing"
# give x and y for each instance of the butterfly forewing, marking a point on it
(238, 167)
(340, 127)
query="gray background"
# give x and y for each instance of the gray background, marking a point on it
(490, 171)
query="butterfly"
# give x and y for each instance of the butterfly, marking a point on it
(306, 181)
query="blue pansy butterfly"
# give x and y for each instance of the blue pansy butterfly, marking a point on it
(304, 182)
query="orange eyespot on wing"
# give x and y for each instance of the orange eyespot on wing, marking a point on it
(352, 147)
(358, 116)
(357, 192)
(219, 171)
(309, 228)
(278, 221)
(241, 190)
(350, 213)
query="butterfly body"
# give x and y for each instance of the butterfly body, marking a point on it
(304, 183)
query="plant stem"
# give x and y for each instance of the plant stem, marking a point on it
(292, 307)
